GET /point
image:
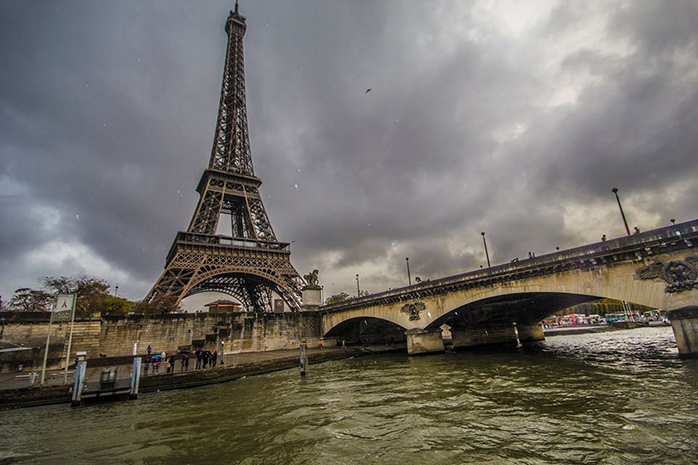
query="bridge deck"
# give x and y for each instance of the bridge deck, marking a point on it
(636, 246)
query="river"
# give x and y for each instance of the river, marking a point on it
(608, 398)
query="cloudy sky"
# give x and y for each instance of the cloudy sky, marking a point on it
(514, 118)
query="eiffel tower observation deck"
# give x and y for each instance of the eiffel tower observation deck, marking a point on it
(251, 265)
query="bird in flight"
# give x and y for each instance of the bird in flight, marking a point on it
(367, 91)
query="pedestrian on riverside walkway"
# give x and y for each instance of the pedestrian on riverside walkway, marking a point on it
(344, 345)
(205, 359)
(171, 368)
(150, 349)
(198, 359)
(156, 365)
(214, 358)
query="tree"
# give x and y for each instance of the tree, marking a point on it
(92, 292)
(31, 300)
(342, 296)
(157, 307)
(117, 305)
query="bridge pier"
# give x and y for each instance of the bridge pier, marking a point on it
(530, 333)
(473, 337)
(424, 341)
(684, 322)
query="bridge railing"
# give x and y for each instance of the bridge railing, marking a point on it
(683, 232)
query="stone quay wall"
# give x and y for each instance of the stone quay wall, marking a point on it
(29, 330)
(114, 336)
(240, 332)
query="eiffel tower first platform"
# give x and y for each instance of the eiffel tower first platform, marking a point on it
(251, 264)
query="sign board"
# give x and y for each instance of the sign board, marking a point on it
(65, 305)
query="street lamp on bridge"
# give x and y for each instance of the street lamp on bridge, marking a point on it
(625, 222)
(358, 290)
(409, 277)
(487, 254)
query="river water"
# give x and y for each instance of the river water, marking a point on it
(612, 398)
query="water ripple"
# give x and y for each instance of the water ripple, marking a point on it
(611, 398)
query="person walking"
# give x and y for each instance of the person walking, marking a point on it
(185, 361)
(344, 343)
(157, 362)
(214, 358)
(198, 359)
(171, 368)
(150, 349)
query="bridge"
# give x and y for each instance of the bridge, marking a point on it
(506, 303)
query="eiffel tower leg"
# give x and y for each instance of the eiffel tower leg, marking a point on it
(169, 290)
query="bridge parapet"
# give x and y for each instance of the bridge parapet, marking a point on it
(638, 248)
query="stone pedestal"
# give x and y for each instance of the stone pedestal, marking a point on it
(424, 341)
(475, 337)
(530, 333)
(312, 298)
(684, 322)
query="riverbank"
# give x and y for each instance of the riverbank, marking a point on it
(576, 329)
(587, 329)
(243, 365)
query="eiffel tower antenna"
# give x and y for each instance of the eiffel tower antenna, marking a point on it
(251, 265)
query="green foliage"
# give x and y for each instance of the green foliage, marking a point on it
(342, 296)
(117, 305)
(92, 292)
(31, 300)
(148, 308)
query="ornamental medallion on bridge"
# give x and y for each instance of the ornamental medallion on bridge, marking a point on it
(680, 275)
(413, 310)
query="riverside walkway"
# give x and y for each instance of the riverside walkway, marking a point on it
(17, 392)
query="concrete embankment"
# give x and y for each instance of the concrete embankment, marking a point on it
(255, 364)
(570, 330)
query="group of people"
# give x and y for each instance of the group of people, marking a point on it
(204, 359)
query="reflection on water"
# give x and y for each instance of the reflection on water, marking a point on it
(621, 397)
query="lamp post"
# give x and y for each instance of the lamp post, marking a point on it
(409, 277)
(625, 222)
(487, 254)
(358, 291)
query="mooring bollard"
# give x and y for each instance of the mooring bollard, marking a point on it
(135, 378)
(78, 382)
(304, 357)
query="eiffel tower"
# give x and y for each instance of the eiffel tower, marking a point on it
(251, 264)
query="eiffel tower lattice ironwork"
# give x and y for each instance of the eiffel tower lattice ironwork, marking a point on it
(251, 264)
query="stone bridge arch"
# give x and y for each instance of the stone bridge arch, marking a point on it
(359, 329)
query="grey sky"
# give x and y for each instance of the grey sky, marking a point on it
(515, 118)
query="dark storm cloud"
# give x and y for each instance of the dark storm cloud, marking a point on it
(107, 112)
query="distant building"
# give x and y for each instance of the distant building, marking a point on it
(224, 306)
